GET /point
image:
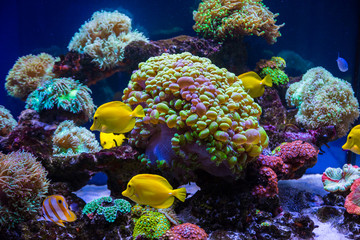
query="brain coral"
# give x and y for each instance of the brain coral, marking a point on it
(69, 139)
(323, 100)
(233, 18)
(23, 184)
(7, 121)
(62, 99)
(27, 74)
(105, 37)
(352, 201)
(197, 115)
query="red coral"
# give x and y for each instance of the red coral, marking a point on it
(188, 231)
(352, 200)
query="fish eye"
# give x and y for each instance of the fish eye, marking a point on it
(129, 186)
(95, 117)
(60, 201)
(349, 137)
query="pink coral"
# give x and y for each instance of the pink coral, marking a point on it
(352, 201)
(188, 231)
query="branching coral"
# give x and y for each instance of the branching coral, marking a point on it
(61, 99)
(23, 184)
(323, 100)
(352, 201)
(232, 18)
(70, 140)
(28, 73)
(197, 116)
(337, 179)
(105, 37)
(7, 121)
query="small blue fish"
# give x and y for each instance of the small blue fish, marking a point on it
(342, 64)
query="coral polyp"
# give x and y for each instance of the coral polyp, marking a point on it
(197, 116)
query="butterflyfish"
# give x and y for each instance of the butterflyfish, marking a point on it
(110, 140)
(353, 140)
(254, 85)
(116, 117)
(153, 190)
(56, 210)
(342, 64)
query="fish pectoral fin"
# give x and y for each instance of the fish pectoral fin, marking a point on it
(165, 204)
(60, 223)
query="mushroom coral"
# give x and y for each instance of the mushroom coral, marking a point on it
(196, 116)
(340, 180)
(352, 201)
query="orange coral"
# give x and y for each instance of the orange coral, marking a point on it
(352, 201)
(27, 74)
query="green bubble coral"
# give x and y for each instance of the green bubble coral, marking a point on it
(59, 96)
(7, 121)
(23, 185)
(107, 207)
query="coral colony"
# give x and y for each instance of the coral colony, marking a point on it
(194, 122)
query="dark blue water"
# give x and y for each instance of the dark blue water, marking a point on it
(317, 30)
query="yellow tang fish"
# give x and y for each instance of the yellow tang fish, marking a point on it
(253, 83)
(116, 117)
(110, 140)
(353, 140)
(153, 190)
(56, 210)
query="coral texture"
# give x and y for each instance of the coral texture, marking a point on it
(23, 184)
(323, 100)
(231, 19)
(273, 67)
(352, 201)
(28, 73)
(105, 37)
(186, 231)
(151, 225)
(70, 139)
(61, 99)
(340, 180)
(197, 116)
(7, 121)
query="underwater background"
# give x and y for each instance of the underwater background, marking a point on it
(315, 34)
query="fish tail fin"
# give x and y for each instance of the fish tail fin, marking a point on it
(267, 81)
(180, 194)
(138, 112)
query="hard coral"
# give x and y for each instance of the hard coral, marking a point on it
(323, 100)
(7, 121)
(61, 99)
(105, 37)
(352, 201)
(28, 73)
(151, 225)
(340, 180)
(23, 184)
(197, 116)
(70, 139)
(232, 19)
(186, 231)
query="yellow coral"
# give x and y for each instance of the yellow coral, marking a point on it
(105, 37)
(233, 18)
(323, 100)
(28, 73)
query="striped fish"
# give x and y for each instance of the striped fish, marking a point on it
(56, 210)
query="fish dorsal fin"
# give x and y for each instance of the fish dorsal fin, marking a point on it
(250, 74)
(154, 177)
(356, 127)
(115, 104)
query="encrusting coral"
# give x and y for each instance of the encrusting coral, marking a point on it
(105, 37)
(23, 185)
(273, 67)
(196, 116)
(69, 139)
(232, 19)
(28, 73)
(185, 231)
(7, 121)
(340, 180)
(61, 99)
(323, 100)
(352, 201)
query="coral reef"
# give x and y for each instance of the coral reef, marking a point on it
(105, 37)
(23, 185)
(70, 139)
(195, 112)
(186, 231)
(352, 201)
(323, 100)
(7, 121)
(232, 19)
(273, 67)
(61, 99)
(28, 73)
(340, 180)
(107, 207)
